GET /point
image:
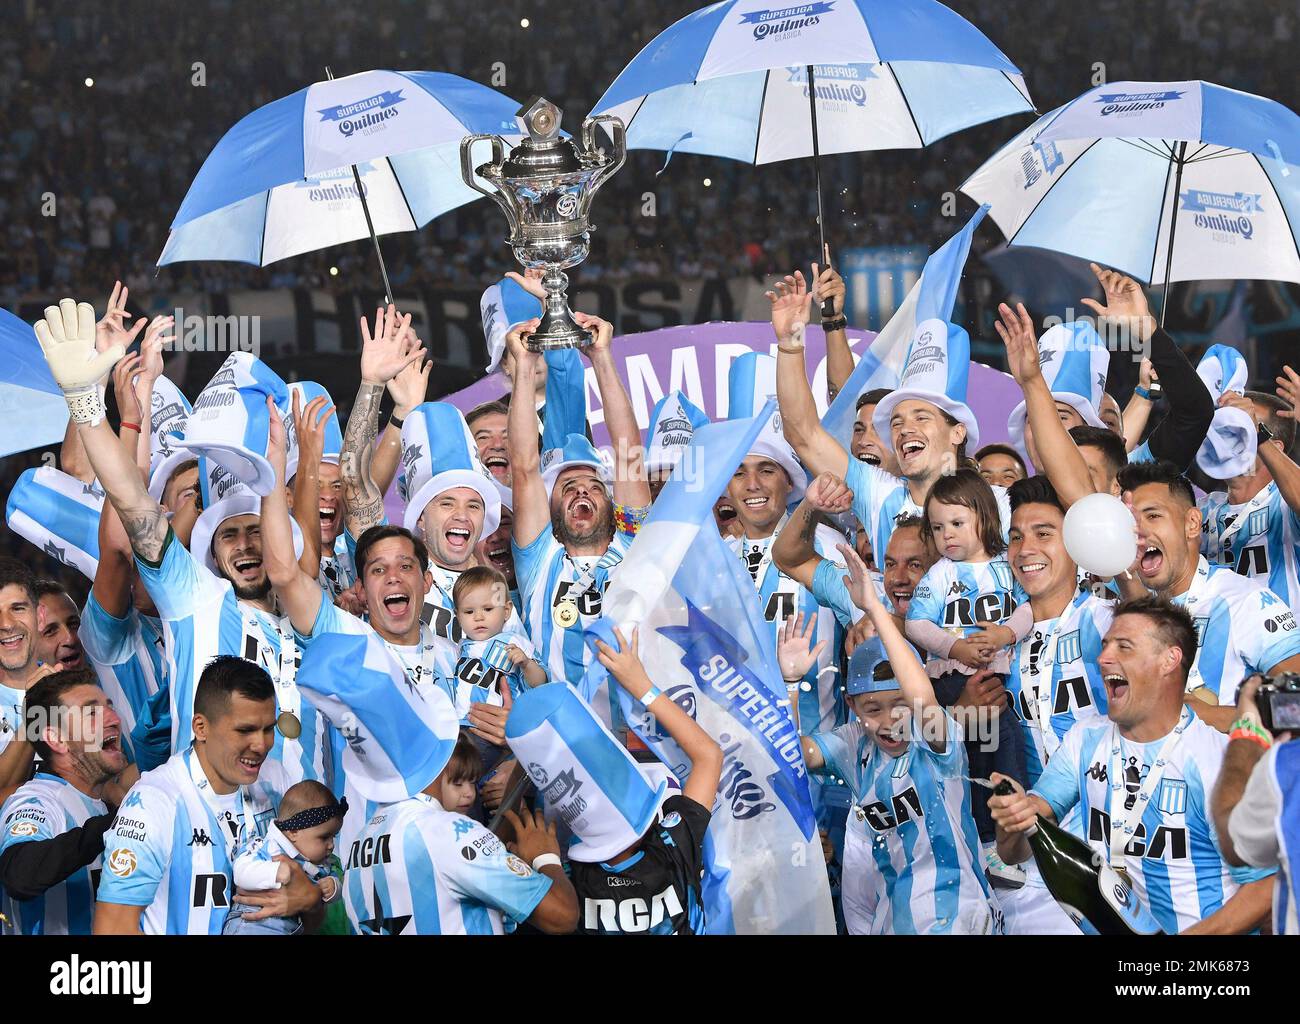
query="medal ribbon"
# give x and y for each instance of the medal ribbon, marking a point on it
(1123, 824)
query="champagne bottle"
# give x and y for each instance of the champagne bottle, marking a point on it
(1097, 899)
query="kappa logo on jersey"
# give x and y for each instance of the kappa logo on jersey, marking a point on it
(633, 914)
(200, 838)
(462, 825)
(903, 807)
(22, 829)
(1168, 843)
(121, 862)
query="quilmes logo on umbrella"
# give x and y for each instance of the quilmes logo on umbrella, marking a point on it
(782, 21)
(1226, 213)
(1039, 159)
(366, 116)
(836, 83)
(1135, 102)
(336, 186)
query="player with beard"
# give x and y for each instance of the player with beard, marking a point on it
(1241, 626)
(570, 532)
(1252, 521)
(1139, 783)
(215, 601)
(19, 669)
(52, 829)
(58, 641)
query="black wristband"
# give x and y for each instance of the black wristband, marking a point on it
(838, 324)
(395, 421)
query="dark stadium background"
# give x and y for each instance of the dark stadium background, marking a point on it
(120, 155)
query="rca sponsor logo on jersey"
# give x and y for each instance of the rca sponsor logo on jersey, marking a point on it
(785, 22)
(633, 914)
(121, 862)
(369, 851)
(1225, 215)
(367, 116)
(902, 808)
(75, 977)
(1126, 104)
(1169, 842)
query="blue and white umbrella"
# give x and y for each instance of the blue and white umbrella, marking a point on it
(732, 80)
(289, 177)
(32, 409)
(1166, 181)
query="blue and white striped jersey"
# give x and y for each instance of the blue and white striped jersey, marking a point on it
(127, 656)
(44, 808)
(420, 870)
(337, 573)
(171, 848)
(478, 680)
(1241, 627)
(546, 574)
(914, 811)
(1173, 858)
(821, 704)
(956, 596)
(1142, 453)
(1062, 653)
(439, 612)
(880, 499)
(1259, 538)
(202, 619)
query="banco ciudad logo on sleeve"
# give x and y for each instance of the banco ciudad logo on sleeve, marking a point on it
(367, 115)
(783, 21)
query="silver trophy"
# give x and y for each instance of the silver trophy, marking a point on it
(545, 186)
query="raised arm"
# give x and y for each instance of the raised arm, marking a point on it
(383, 356)
(630, 485)
(704, 753)
(310, 426)
(1061, 459)
(532, 508)
(1138, 410)
(407, 389)
(909, 671)
(793, 549)
(67, 336)
(300, 595)
(817, 450)
(839, 357)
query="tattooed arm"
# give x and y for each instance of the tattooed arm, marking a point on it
(383, 355)
(143, 518)
(793, 550)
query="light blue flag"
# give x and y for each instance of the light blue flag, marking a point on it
(931, 298)
(704, 642)
(34, 410)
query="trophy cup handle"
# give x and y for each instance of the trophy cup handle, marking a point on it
(617, 134)
(502, 198)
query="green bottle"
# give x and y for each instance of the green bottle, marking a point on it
(1097, 899)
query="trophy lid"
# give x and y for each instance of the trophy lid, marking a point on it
(542, 152)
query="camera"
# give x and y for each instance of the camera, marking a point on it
(1278, 700)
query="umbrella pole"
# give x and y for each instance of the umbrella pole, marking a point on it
(828, 306)
(370, 224)
(1173, 224)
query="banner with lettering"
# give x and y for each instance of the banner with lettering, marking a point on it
(704, 642)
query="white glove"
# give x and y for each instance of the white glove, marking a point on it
(67, 337)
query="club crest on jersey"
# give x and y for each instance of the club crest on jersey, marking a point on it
(1172, 798)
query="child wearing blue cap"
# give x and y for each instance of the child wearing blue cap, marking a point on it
(912, 860)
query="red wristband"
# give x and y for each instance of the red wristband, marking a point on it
(131, 426)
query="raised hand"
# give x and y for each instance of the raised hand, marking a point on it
(862, 589)
(111, 329)
(794, 651)
(409, 386)
(388, 351)
(829, 493)
(128, 406)
(530, 281)
(151, 349)
(858, 633)
(310, 425)
(791, 307)
(827, 284)
(1016, 330)
(602, 332)
(1288, 389)
(1126, 303)
(517, 344)
(67, 337)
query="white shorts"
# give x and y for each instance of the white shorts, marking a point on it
(1031, 909)
(856, 896)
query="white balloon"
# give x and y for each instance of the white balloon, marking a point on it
(1101, 535)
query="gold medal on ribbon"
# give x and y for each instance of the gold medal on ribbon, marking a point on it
(566, 614)
(289, 726)
(1124, 877)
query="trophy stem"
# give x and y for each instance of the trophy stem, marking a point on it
(558, 329)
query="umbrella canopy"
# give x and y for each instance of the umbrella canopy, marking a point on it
(732, 80)
(32, 409)
(280, 182)
(1166, 181)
